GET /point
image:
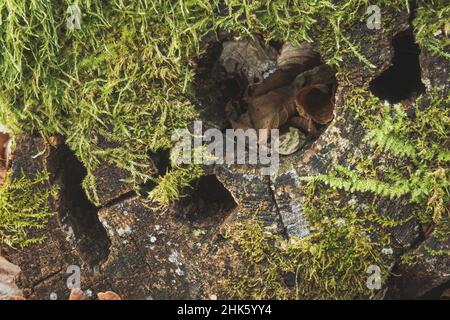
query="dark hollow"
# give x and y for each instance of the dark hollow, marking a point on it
(208, 199)
(76, 211)
(402, 80)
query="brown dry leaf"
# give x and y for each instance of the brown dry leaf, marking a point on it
(78, 294)
(306, 124)
(290, 63)
(4, 139)
(271, 110)
(108, 295)
(8, 272)
(291, 56)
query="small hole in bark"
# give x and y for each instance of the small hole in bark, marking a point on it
(207, 200)
(231, 88)
(402, 80)
(161, 159)
(78, 215)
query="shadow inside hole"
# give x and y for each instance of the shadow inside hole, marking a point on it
(438, 293)
(77, 214)
(209, 87)
(402, 80)
(207, 201)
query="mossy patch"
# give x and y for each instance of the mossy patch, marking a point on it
(432, 27)
(25, 206)
(410, 155)
(331, 263)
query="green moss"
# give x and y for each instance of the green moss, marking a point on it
(24, 208)
(410, 157)
(361, 105)
(432, 27)
(172, 185)
(331, 263)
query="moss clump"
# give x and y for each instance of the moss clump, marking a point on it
(410, 158)
(117, 88)
(24, 208)
(331, 263)
(432, 27)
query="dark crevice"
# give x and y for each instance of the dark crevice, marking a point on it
(437, 293)
(281, 225)
(402, 80)
(211, 91)
(161, 160)
(78, 216)
(208, 201)
(121, 198)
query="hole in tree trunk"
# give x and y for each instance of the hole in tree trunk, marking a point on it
(77, 214)
(207, 202)
(402, 80)
(247, 84)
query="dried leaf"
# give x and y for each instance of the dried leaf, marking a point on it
(247, 61)
(8, 272)
(78, 294)
(290, 63)
(291, 56)
(305, 124)
(315, 101)
(5, 146)
(108, 295)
